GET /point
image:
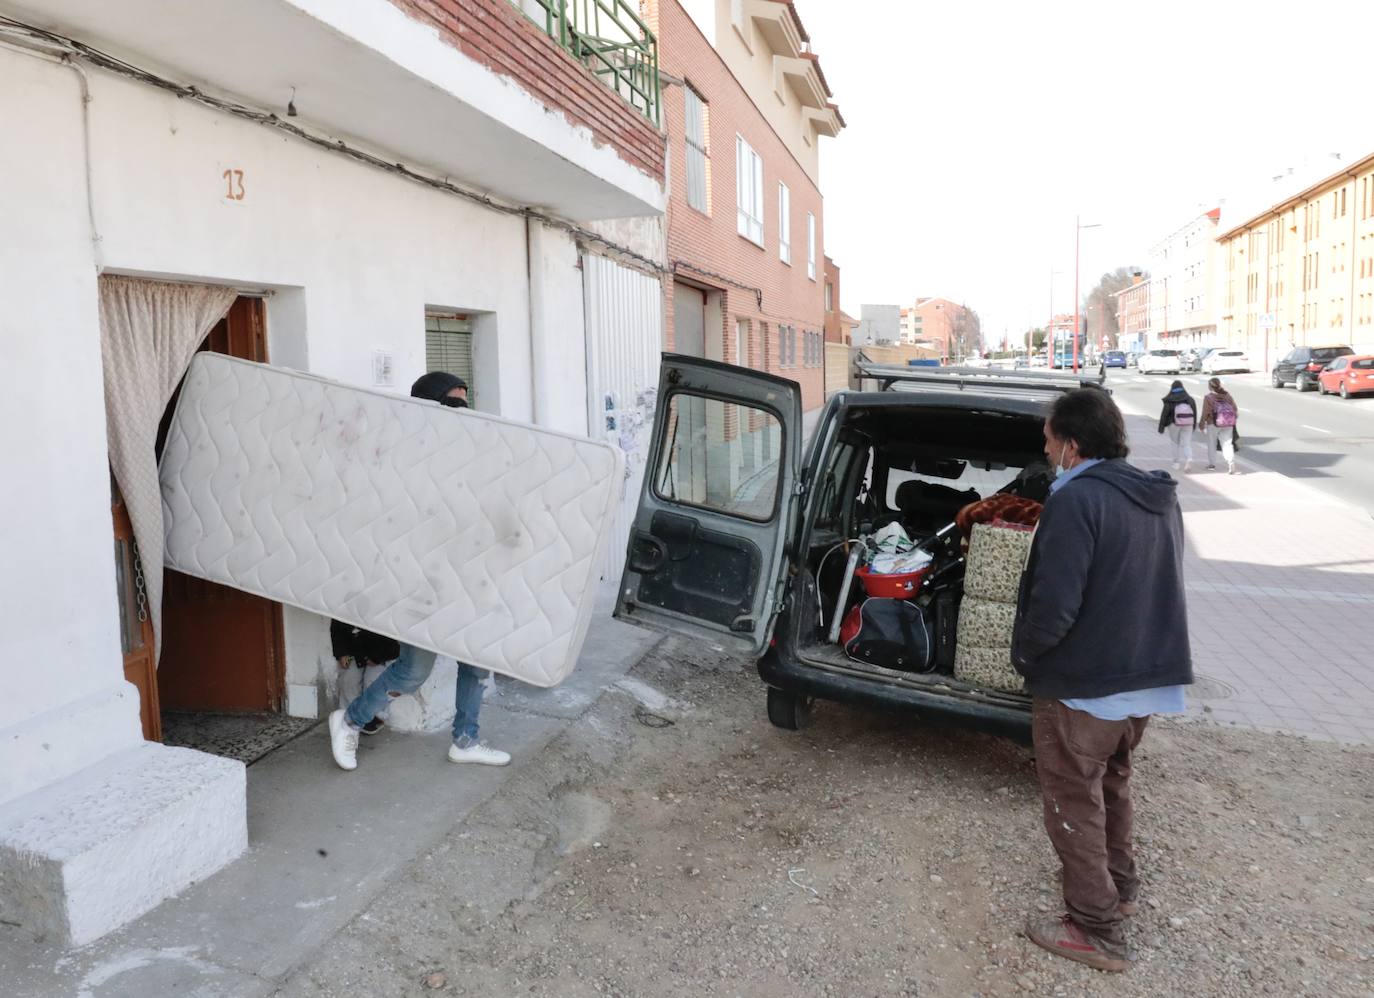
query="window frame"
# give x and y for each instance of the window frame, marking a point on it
(811, 245)
(698, 149)
(784, 224)
(748, 192)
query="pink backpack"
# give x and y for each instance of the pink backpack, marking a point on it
(1224, 411)
(1183, 414)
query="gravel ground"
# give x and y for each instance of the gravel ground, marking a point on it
(674, 843)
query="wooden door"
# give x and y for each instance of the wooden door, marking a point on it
(222, 648)
(135, 621)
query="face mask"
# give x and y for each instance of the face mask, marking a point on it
(453, 402)
(1059, 468)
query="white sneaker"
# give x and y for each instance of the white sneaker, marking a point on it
(343, 741)
(1187, 466)
(478, 753)
(1231, 468)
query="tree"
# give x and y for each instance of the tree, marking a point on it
(1100, 307)
(1037, 337)
(965, 332)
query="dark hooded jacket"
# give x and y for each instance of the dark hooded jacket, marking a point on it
(1171, 402)
(1101, 608)
(436, 385)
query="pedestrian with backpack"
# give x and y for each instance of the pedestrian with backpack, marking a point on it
(1219, 412)
(1179, 419)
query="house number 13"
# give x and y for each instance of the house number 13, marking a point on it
(233, 183)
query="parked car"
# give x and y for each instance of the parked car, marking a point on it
(1347, 376)
(1225, 362)
(1114, 358)
(1133, 358)
(742, 539)
(1301, 365)
(1159, 362)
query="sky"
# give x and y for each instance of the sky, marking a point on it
(977, 132)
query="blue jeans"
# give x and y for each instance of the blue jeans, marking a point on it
(405, 675)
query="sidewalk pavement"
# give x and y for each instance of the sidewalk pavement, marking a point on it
(1280, 582)
(322, 844)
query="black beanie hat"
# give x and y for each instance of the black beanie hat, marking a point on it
(436, 385)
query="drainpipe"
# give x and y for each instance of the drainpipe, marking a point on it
(535, 300)
(1350, 302)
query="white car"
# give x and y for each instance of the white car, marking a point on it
(1226, 361)
(1159, 362)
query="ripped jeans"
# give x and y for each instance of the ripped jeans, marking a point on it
(405, 675)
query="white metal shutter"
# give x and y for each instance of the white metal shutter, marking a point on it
(624, 348)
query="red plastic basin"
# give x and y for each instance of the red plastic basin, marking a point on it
(899, 585)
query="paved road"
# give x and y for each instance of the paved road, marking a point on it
(1322, 441)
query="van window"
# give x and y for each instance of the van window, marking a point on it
(979, 479)
(721, 456)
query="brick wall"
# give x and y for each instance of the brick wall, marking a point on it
(706, 250)
(834, 328)
(497, 35)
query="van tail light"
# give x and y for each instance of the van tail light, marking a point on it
(1313, 365)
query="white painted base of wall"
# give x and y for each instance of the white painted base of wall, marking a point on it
(83, 856)
(302, 700)
(430, 708)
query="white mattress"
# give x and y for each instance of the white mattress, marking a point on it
(469, 535)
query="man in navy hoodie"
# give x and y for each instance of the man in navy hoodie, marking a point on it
(1101, 638)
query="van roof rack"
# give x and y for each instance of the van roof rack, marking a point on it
(989, 380)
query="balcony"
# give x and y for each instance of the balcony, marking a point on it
(472, 90)
(611, 40)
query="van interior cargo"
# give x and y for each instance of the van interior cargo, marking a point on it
(917, 467)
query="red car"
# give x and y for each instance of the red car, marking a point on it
(1347, 376)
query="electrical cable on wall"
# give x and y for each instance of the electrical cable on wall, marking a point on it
(71, 50)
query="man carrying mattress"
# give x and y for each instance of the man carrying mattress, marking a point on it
(1101, 637)
(413, 665)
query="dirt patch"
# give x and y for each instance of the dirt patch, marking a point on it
(689, 848)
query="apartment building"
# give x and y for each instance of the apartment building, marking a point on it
(945, 325)
(1183, 285)
(363, 190)
(1301, 272)
(745, 107)
(1133, 314)
(834, 326)
(879, 325)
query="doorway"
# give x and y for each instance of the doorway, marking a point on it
(221, 681)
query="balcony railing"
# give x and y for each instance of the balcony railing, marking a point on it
(610, 39)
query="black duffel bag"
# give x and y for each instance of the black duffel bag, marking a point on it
(891, 633)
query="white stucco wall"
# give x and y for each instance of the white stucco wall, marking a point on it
(352, 257)
(59, 638)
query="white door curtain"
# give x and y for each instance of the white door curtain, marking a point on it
(149, 330)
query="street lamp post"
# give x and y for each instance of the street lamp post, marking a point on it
(1077, 238)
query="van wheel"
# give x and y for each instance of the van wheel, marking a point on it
(1278, 382)
(1301, 384)
(787, 710)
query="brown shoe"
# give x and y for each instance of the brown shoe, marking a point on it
(1128, 909)
(1064, 937)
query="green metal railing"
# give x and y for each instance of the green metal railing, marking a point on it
(610, 39)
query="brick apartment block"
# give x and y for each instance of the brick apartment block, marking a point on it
(734, 279)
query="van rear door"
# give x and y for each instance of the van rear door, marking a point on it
(721, 493)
